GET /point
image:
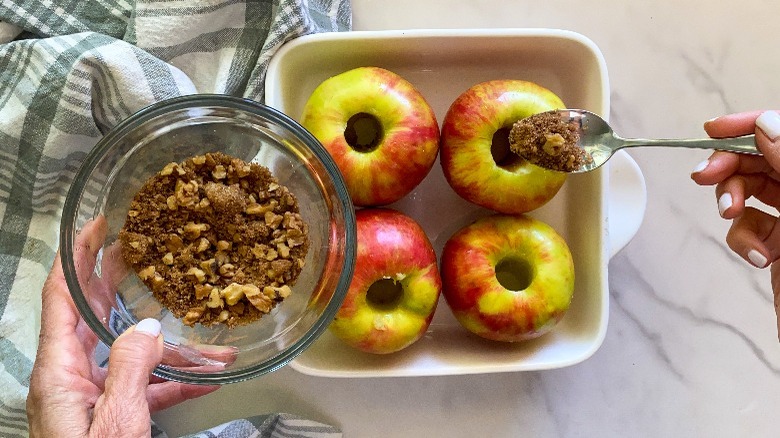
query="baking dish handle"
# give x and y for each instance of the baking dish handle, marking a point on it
(627, 201)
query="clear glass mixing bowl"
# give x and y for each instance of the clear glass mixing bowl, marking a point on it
(111, 297)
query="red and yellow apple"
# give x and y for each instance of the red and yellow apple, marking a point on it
(380, 131)
(507, 277)
(475, 154)
(395, 286)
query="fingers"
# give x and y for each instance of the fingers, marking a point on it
(755, 236)
(132, 358)
(166, 394)
(201, 357)
(721, 165)
(59, 316)
(731, 197)
(764, 124)
(733, 192)
(732, 125)
(740, 176)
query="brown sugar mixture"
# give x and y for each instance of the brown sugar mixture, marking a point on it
(216, 239)
(547, 141)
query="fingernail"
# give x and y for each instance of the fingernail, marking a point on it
(701, 166)
(756, 258)
(724, 202)
(711, 120)
(769, 122)
(149, 326)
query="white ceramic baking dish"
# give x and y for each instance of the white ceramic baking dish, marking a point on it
(590, 211)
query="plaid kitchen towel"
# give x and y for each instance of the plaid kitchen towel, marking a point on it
(71, 69)
(269, 426)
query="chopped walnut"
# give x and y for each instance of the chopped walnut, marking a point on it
(171, 203)
(209, 266)
(174, 243)
(243, 170)
(215, 299)
(146, 273)
(203, 244)
(219, 172)
(224, 245)
(202, 291)
(227, 270)
(157, 281)
(192, 230)
(193, 315)
(186, 193)
(199, 275)
(284, 250)
(232, 293)
(169, 168)
(272, 219)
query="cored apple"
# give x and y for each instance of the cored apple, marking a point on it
(381, 132)
(395, 286)
(475, 154)
(507, 277)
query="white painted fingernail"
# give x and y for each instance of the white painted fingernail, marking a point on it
(724, 202)
(769, 122)
(149, 326)
(757, 258)
(701, 166)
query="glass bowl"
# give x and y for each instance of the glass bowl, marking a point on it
(111, 297)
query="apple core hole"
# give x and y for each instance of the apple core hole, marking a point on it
(514, 273)
(499, 149)
(363, 132)
(384, 294)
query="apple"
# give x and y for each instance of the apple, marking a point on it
(380, 131)
(507, 277)
(475, 154)
(395, 286)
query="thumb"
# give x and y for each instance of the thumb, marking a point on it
(133, 357)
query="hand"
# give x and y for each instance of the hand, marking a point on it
(69, 394)
(754, 234)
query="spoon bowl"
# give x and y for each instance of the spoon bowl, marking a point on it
(600, 142)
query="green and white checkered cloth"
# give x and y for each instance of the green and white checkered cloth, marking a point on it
(69, 71)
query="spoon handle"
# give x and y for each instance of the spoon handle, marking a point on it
(745, 144)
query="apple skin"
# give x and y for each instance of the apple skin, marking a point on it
(408, 148)
(390, 245)
(481, 303)
(466, 140)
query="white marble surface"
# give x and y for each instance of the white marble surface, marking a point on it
(691, 348)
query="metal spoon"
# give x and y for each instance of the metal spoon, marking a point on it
(598, 139)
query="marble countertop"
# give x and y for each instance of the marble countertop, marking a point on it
(691, 348)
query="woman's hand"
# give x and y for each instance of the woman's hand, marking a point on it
(754, 233)
(737, 177)
(69, 394)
